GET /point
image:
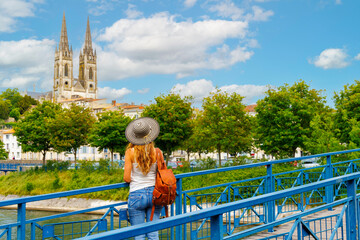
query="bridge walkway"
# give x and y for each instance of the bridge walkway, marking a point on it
(284, 228)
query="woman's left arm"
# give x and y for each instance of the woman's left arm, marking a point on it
(128, 166)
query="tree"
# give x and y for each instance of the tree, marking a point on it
(225, 124)
(70, 128)
(15, 113)
(108, 132)
(33, 131)
(25, 103)
(284, 117)
(4, 109)
(195, 144)
(3, 153)
(12, 95)
(323, 134)
(173, 114)
(348, 107)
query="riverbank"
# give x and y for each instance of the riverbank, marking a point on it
(62, 204)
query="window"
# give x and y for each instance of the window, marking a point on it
(115, 156)
(105, 150)
(90, 73)
(93, 150)
(84, 150)
(18, 155)
(7, 146)
(7, 136)
(12, 145)
(57, 70)
(66, 70)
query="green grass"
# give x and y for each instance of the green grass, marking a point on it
(36, 182)
(41, 182)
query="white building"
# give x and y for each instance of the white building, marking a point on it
(11, 145)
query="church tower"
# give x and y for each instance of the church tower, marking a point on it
(65, 85)
(63, 67)
(87, 66)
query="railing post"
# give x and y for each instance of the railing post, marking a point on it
(329, 190)
(351, 214)
(216, 225)
(33, 231)
(178, 204)
(21, 217)
(270, 187)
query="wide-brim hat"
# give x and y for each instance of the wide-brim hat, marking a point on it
(142, 131)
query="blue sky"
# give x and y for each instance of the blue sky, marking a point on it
(149, 47)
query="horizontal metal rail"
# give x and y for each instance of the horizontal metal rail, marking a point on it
(219, 210)
(267, 186)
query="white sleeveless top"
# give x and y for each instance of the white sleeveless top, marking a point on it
(139, 180)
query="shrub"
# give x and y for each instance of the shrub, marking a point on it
(29, 187)
(56, 184)
(53, 165)
(208, 163)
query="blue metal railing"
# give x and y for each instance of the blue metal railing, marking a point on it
(215, 214)
(195, 200)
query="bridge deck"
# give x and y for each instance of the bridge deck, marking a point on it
(285, 228)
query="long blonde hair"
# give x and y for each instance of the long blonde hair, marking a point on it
(145, 156)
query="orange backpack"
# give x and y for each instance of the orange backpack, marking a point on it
(165, 185)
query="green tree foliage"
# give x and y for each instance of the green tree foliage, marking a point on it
(225, 124)
(173, 114)
(33, 131)
(70, 128)
(4, 109)
(284, 117)
(323, 134)
(12, 95)
(347, 105)
(15, 113)
(3, 153)
(25, 103)
(195, 143)
(108, 132)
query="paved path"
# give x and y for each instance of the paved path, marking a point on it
(330, 222)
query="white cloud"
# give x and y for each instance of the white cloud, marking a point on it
(357, 57)
(161, 45)
(144, 90)
(199, 89)
(259, 14)
(25, 62)
(331, 58)
(111, 93)
(338, 2)
(228, 9)
(248, 91)
(189, 3)
(11, 10)
(131, 12)
(100, 7)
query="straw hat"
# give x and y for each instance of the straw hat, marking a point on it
(142, 131)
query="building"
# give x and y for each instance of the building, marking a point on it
(11, 145)
(65, 85)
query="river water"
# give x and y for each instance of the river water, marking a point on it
(10, 216)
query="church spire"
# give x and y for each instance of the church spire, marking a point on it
(64, 43)
(88, 43)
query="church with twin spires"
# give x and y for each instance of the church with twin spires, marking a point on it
(65, 85)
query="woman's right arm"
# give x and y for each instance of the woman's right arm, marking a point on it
(128, 165)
